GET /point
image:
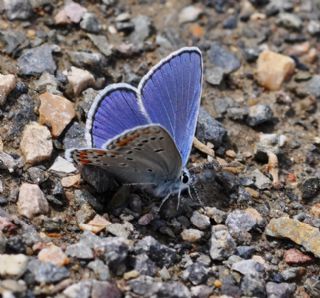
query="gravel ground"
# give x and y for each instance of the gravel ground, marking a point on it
(69, 234)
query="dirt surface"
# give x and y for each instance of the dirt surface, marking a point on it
(66, 232)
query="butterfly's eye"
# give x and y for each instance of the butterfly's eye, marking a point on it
(184, 178)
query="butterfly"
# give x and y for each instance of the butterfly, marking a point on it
(143, 136)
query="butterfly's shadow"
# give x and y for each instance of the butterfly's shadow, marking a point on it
(207, 189)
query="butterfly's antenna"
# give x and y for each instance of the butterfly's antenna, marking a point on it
(191, 186)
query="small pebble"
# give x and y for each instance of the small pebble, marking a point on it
(18, 9)
(222, 244)
(63, 166)
(290, 21)
(43, 57)
(189, 14)
(191, 235)
(13, 265)
(259, 114)
(7, 84)
(47, 273)
(315, 210)
(72, 12)
(90, 23)
(210, 130)
(31, 201)
(71, 181)
(56, 112)
(200, 221)
(96, 225)
(79, 79)
(273, 69)
(280, 290)
(295, 257)
(53, 254)
(100, 269)
(310, 188)
(36, 144)
(223, 58)
(120, 230)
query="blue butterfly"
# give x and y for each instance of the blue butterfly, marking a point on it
(143, 136)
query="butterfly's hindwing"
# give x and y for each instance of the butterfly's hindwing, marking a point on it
(146, 154)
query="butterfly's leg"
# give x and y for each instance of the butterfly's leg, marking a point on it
(179, 196)
(164, 200)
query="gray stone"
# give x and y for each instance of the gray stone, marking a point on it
(85, 213)
(100, 289)
(243, 220)
(293, 273)
(115, 253)
(223, 104)
(14, 41)
(18, 9)
(245, 251)
(87, 60)
(237, 114)
(173, 289)
(85, 197)
(100, 269)
(249, 267)
(157, 252)
(47, 82)
(290, 21)
(260, 181)
(219, 216)
(312, 285)
(121, 230)
(81, 289)
(281, 290)
(223, 58)
(230, 23)
(142, 29)
(144, 265)
(199, 220)
(196, 273)
(210, 130)
(310, 188)
(35, 61)
(312, 87)
(90, 23)
(80, 251)
(88, 98)
(222, 244)
(252, 286)
(144, 285)
(7, 162)
(201, 291)
(314, 27)
(74, 137)
(47, 272)
(259, 114)
(101, 42)
(214, 75)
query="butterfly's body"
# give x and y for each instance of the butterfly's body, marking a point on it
(144, 136)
